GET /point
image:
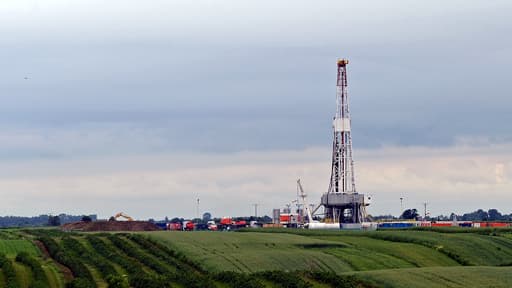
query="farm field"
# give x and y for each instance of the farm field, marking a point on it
(13, 247)
(256, 258)
(476, 276)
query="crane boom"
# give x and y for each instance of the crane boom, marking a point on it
(304, 201)
(121, 214)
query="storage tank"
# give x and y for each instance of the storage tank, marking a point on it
(323, 226)
(275, 215)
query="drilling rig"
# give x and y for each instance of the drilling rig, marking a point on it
(342, 203)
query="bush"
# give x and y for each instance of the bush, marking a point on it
(80, 283)
(285, 279)
(335, 280)
(186, 269)
(38, 274)
(9, 272)
(177, 258)
(117, 281)
(132, 251)
(238, 280)
(83, 277)
(103, 267)
(137, 277)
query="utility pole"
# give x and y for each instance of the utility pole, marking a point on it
(197, 208)
(401, 206)
(425, 210)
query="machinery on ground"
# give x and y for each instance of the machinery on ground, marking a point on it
(122, 215)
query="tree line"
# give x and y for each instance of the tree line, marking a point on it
(478, 215)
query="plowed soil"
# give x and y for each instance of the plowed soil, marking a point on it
(110, 226)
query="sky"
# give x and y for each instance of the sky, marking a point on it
(146, 106)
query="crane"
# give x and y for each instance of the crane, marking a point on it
(313, 224)
(304, 201)
(121, 214)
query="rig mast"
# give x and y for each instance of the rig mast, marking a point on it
(342, 203)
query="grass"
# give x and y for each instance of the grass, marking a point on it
(55, 279)
(251, 252)
(476, 276)
(278, 258)
(13, 247)
(23, 275)
(465, 248)
(414, 255)
(489, 247)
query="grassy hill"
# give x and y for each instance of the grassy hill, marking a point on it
(257, 258)
(475, 276)
(251, 252)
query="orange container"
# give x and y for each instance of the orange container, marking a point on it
(441, 224)
(284, 218)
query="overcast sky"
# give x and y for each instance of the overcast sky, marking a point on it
(144, 106)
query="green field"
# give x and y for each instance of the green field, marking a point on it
(476, 276)
(257, 258)
(13, 247)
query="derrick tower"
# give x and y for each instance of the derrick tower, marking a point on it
(342, 203)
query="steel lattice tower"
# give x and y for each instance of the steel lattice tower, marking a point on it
(342, 203)
(342, 173)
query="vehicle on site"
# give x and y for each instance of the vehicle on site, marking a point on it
(200, 226)
(212, 226)
(174, 226)
(122, 215)
(255, 224)
(188, 226)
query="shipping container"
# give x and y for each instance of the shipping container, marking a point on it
(226, 221)
(498, 224)
(395, 225)
(174, 226)
(284, 218)
(351, 226)
(201, 226)
(272, 225)
(442, 224)
(161, 225)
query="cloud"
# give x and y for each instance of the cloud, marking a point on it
(451, 179)
(143, 107)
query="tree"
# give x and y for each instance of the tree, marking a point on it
(86, 218)
(117, 281)
(177, 220)
(479, 215)
(207, 216)
(410, 214)
(266, 219)
(53, 221)
(494, 215)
